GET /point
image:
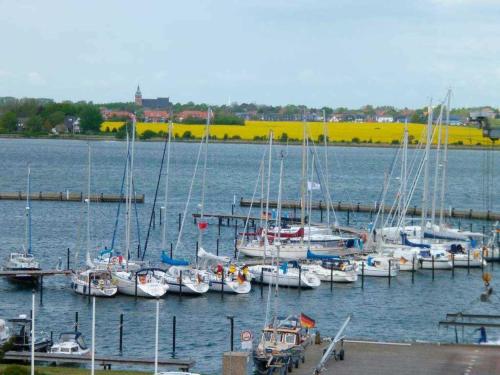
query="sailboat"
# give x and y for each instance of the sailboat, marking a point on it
(178, 274)
(92, 281)
(24, 261)
(140, 283)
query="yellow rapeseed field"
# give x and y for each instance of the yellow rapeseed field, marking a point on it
(337, 132)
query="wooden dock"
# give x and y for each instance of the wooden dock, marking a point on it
(39, 273)
(373, 208)
(381, 358)
(100, 360)
(67, 196)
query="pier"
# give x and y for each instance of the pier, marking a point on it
(381, 358)
(104, 361)
(373, 208)
(67, 196)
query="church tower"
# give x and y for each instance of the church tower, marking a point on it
(138, 97)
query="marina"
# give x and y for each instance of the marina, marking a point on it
(68, 196)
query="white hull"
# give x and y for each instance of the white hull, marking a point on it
(184, 286)
(150, 288)
(288, 251)
(95, 290)
(336, 276)
(232, 286)
(461, 261)
(290, 278)
(439, 264)
(377, 271)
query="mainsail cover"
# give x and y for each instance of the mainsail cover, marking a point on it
(311, 255)
(173, 262)
(205, 255)
(407, 242)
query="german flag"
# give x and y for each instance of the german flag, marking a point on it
(241, 278)
(306, 321)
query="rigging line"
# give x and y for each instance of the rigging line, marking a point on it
(120, 201)
(136, 216)
(179, 237)
(155, 198)
(79, 244)
(251, 203)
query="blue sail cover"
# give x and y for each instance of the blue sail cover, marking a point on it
(406, 242)
(173, 262)
(311, 255)
(104, 252)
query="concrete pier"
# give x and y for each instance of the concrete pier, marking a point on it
(67, 196)
(380, 358)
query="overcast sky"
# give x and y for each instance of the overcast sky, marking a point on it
(332, 52)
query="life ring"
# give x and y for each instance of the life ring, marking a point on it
(364, 237)
(142, 279)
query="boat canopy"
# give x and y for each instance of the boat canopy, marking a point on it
(173, 262)
(406, 242)
(104, 252)
(205, 255)
(311, 255)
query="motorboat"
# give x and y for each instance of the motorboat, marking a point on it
(93, 282)
(223, 276)
(70, 343)
(282, 346)
(4, 332)
(142, 283)
(284, 275)
(20, 262)
(378, 266)
(21, 336)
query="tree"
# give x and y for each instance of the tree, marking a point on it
(148, 134)
(34, 124)
(56, 118)
(90, 119)
(8, 122)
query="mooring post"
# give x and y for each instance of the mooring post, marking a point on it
(433, 268)
(196, 255)
(121, 333)
(389, 272)
(470, 227)
(179, 222)
(232, 209)
(160, 217)
(222, 284)
(171, 250)
(459, 224)
(331, 277)
(174, 327)
(89, 286)
(300, 278)
(219, 224)
(348, 216)
(413, 269)
(452, 265)
(180, 284)
(231, 319)
(362, 274)
(138, 251)
(154, 219)
(236, 230)
(217, 247)
(67, 258)
(261, 282)
(468, 262)
(41, 290)
(135, 292)
(235, 248)
(76, 321)
(320, 212)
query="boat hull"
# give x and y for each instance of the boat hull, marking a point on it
(290, 279)
(80, 288)
(439, 264)
(145, 290)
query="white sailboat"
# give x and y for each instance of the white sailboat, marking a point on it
(24, 261)
(378, 266)
(91, 281)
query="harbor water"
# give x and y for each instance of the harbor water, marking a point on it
(403, 311)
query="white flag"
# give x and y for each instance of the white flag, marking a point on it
(311, 185)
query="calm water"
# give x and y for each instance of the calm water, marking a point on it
(403, 311)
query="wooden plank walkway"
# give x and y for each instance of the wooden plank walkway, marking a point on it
(68, 197)
(379, 358)
(100, 360)
(358, 207)
(36, 273)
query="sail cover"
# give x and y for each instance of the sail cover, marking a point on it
(205, 255)
(173, 262)
(311, 255)
(406, 242)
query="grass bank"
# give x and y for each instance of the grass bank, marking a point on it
(43, 370)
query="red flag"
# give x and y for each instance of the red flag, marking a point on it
(202, 225)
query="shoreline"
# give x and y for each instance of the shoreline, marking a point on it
(109, 138)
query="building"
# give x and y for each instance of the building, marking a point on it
(161, 104)
(72, 124)
(202, 115)
(156, 116)
(385, 118)
(109, 114)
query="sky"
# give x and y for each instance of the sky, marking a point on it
(319, 53)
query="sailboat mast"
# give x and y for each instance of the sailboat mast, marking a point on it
(28, 214)
(327, 179)
(89, 171)
(129, 188)
(426, 171)
(164, 227)
(303, 187)
(445, 159)
(404, 172)
(268, 192)
(436, 167)
(278, 216)
(310, 189)
(202, 208)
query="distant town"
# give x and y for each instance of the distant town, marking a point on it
(37, 116)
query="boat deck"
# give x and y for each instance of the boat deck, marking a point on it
(377, 358)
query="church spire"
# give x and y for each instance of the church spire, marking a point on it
(138, 96)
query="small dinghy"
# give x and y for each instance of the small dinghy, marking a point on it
(222, 275)
(284, 275)
(95, 282)
(70, 343)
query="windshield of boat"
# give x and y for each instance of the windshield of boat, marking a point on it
(290, 338)
(64, 337)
